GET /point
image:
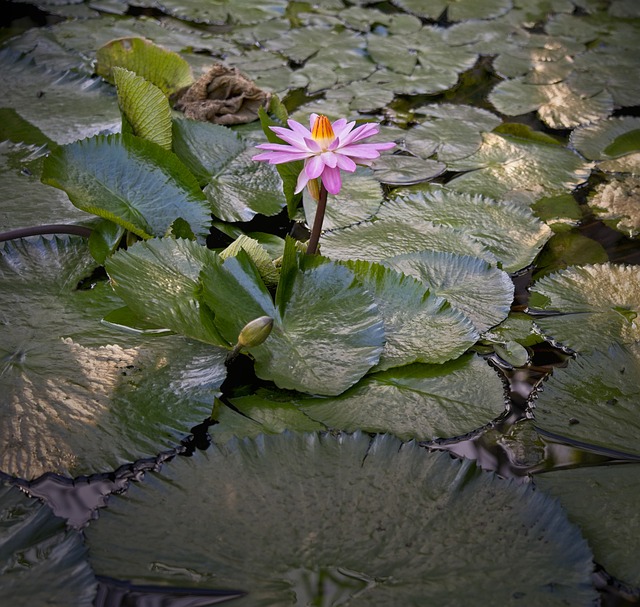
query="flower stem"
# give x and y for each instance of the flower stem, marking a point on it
(312, 245)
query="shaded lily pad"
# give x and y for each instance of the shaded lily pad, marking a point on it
(508, 230)
(616, 203)
(25, 200)
(378, 240)
(130, 181)
(505, 165)
(42, 563)
(64, 106)
(421, 401)
(406, 170)
(594, 401)
(589, 307)
(586, 495)
(80, 397)
(482, 292)
(304, 518)
(456, 10)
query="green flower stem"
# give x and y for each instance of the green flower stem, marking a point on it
(312, 245)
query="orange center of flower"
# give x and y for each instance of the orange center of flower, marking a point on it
(322, 132)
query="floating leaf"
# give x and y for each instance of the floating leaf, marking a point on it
(159, 281)
(594, 401)
(130, 181)
(505, 165)
(482, 292)
(587, 496)
(305, 498)
(509, 231)
(327, 331)
(159, 66)
(418, 326)
(41, 562)
(589, 307)
(406, 170)
(421, 401)
(78, 396)
(616, 203)
(456, 10)
(378, 240)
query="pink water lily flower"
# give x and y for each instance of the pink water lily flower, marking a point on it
(326, 149)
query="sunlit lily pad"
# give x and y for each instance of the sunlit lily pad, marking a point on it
(131, 181)
(418, 325)
(589, 307)
(594, 401)
(615, 143)
(80, 397)
(406, 170)
(505, 165)
(508, 230)
(457, 10)
(42, 563)
(617, 203)
(482, 292)
(378, 240)
(297, 519)
(586, 495)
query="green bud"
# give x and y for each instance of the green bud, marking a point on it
(255, 332)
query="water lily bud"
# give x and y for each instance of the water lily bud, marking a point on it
(314, 189)
(255, 332)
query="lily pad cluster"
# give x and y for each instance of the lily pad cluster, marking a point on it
(113, 349)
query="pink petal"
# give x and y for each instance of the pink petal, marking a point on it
(280, 157)
(363, 150)
(329, 158)
(289, 136)
(314, 167)
(312, 145)
(345, 163)
(362, 132)
(332, 180)
(296, 127)
(303, 179)
(312, 121)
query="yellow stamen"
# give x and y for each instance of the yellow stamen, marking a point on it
(322, 131)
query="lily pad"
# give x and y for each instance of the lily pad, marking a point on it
(281, 527)
(507, 165)
(41, 562)
(327, 330)
(456, 10)
(420, 401)
(378, 240)
(589, 307)
(130, 181)
(594, 401)
(508, 230)
(64, 106)
(159, 281)
(78, 396)
(406, 170)
(480, 291)
(616, 203)
(418, 325)
(586, 495)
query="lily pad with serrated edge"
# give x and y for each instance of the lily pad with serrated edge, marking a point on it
(594, 401)
(586, 495)
(302, 518)
(80, 397)
(507, 230)
(589, 307)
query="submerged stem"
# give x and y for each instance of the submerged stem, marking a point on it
(312, 245)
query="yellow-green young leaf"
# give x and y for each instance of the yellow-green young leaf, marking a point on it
(269, 273)
(145, 107)
(164, 68)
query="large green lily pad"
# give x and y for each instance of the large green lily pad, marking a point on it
(589, 307)
(298, 519)
(607, 524)
(80, 397)
(594, 401)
